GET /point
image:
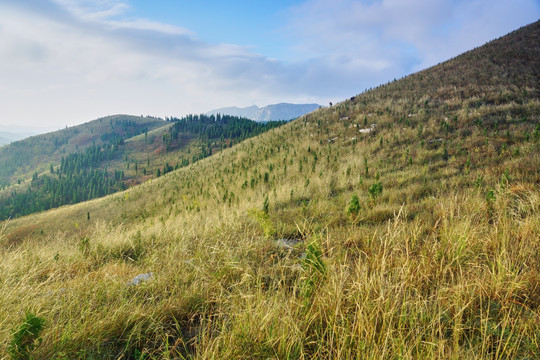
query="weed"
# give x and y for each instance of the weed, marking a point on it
(314, 269)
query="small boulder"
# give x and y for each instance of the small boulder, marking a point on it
(141, 278)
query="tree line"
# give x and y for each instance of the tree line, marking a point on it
(80, 177)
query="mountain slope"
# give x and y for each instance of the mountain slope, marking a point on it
(20, 159)
(281, 111)
(401, 223)
(119, 160)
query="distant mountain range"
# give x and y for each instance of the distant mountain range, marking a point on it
(7, 137)
(11, 133)
(281, 111)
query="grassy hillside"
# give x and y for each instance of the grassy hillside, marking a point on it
(118, 159)
(22, 158)
(402, 223)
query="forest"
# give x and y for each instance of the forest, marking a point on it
(91, 173)
(80, 177)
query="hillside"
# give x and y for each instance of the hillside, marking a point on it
(402, 223)
(274, 112)
(119, 159)
(22, 158)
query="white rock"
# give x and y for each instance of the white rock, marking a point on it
(141, 278)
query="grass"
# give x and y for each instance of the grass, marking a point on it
(443, 263)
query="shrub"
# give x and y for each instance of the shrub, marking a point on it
(266, 204)
(375, 190)
(263, 220)
(354, 207)
(26, 338)
(314, 268)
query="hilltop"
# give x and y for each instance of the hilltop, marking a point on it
(281, 111)
(402, 222)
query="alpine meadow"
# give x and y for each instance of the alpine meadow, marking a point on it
(401, 223)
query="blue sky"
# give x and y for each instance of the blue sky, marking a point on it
(65, 62)
(250, 23)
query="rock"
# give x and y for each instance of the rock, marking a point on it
(287, 243)
(368, 130)
(141, 278)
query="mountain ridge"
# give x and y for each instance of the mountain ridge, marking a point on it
(36, 152)
(273, 112)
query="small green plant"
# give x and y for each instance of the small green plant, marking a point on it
(266, 204)
(445, 155)
(264, 222)
(505, 178)
(314, 268)
(490, 199)
(354, 207)
(84, 245)
(490, 196)
(26, 337)
(479, 182)
(375, 190)
(366, 168)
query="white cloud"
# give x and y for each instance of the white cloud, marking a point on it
(94, 9)
(68, 65)
(69, 61)
(405, 35)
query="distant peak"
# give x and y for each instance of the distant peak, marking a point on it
(280, 111)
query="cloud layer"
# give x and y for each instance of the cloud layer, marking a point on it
(69, 61)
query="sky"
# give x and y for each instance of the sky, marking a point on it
(66, 62)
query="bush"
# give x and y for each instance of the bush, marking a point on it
(266, 204)
(375, 190)
(354, 207)
(314, 268)
(26, 338)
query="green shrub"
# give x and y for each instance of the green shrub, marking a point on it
(263, 220)
(375, 190)
(26, 337)
(354, 207)
(266, 204)
(314, 268)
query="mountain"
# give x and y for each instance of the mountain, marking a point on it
(11, 133)
(282, 111)
(108, 155)
(7, 137)
(21, 158)
(402, 223)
